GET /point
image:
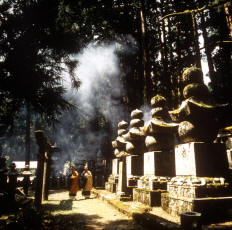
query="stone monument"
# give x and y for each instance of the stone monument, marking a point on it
(159, 162)
(118, 164)
(135, 147)
(201, 183)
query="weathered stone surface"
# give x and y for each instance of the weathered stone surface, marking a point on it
(121, 189)
(135, 123)
(157, 126)
(137, 114)
(160, 142)
(134, 165)
(196, 90)
(201, 159)
(158, 101)
(113, 179)
(132, 182)
(111, 187)
(229, 158)
(208, 206)
(159, 163)
(192, 75)
(115, 165)
(151, 198)
(122, 132)
(153, 182)
(123, 125)
(198, 187)
(199, 118)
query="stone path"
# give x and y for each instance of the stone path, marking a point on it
(84, 214)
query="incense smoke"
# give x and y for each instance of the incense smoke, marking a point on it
(100, 92)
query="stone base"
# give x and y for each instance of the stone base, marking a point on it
(153, 182)
(113, 178)
(132, 181)
(198, 187)
(208, 207)
(122, 196)
(147, 197)
(111, 187)
(206, 195)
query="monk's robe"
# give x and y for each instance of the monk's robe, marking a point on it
(74, 184)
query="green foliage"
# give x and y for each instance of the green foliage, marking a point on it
(32, 53)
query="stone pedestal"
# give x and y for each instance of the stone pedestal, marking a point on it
(150, 189)
(115, 165)
(200, 184)
(134, 169)
(159, 166)
(122, 190)
(229, 157)
(112, 183)
(201, 159)
(159, 163)
(147, 197)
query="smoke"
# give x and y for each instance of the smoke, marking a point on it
(101, 88)
(101, 92)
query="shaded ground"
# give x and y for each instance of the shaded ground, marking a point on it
(84, 214)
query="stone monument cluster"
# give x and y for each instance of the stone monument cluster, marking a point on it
(173, 160)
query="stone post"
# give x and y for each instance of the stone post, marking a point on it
(43, 168)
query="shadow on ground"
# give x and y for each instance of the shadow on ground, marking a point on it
(80, 221)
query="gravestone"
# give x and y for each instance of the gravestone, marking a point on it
(229, 157)
(134, 169)
(200, 184)
(115, 166)
(159, 162)
(119, 147)
(111, 184)
(122, 186)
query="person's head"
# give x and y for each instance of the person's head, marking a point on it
(13, 166)
(72, 168)
(86, 167)
(27, 167)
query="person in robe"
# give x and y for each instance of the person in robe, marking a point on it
(88, 182)
(74, 182)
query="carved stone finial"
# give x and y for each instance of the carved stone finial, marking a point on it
(198, 118)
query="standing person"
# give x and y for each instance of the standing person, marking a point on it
(26, 179)
(74, 184)
(12, 181)
(89, 182)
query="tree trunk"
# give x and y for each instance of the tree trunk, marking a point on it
(228, 13)
(145, 59)
(28, 134)
(196, 42)
(207, 48)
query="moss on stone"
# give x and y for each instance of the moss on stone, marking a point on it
(158, 101)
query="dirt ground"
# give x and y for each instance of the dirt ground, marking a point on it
(85, 214)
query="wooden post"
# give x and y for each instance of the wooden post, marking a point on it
(51, 150)
(41, 168)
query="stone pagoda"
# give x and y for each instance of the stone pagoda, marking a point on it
(201, 183)
(119, 147)
(135, 147)
(159, 159)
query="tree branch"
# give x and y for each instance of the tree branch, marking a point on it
(195, 10)
(218, 42)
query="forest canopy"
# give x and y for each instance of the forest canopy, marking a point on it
(38, 39)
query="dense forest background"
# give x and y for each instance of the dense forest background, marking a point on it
(146, 44)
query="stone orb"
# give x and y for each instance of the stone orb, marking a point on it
(192, 75)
